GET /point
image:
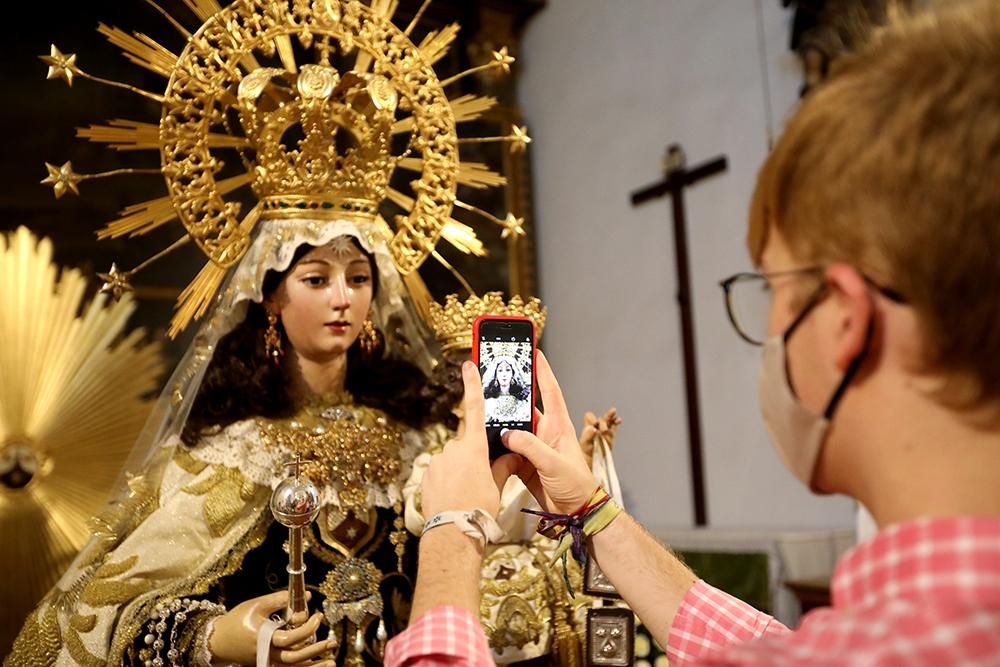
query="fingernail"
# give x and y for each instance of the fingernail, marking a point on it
(503, 434)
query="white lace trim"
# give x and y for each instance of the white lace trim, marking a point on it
(238, 446)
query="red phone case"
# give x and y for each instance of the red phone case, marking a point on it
(534, 354)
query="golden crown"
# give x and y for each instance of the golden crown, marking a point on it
(316, 140)
(452, 322)
(314, 176)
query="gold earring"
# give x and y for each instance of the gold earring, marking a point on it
(369, 339)
(272, 339)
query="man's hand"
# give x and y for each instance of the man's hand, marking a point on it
(460, 478)
(555, 470)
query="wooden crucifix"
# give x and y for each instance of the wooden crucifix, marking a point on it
(676, 178)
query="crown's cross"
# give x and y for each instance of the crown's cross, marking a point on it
(676, 178)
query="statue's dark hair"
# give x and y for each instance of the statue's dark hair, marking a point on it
(242, 382)
(444, 390)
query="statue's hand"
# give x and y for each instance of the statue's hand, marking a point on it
(234, 636)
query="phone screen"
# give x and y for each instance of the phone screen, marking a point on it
(505, 361)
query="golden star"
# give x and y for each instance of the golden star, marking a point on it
(519, 139)
(116, 282)
(62, 178)
(512, 227)
(503, 60)
(61, 65)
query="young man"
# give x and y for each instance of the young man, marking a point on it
(876, 226)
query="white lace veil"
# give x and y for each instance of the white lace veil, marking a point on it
(273, 249)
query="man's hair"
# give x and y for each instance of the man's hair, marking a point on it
(893, 166)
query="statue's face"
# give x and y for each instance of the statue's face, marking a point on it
(504, 374)
(324, 299)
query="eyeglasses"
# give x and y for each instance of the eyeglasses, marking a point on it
(748, 299)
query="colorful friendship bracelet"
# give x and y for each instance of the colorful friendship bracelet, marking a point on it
(572, 530)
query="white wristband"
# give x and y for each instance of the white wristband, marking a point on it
(478, 524)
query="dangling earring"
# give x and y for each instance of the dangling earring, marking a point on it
(369, 338)
(272, 339)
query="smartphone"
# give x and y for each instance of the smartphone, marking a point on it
(504, 350)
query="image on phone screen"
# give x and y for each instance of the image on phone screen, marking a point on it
(505, 358)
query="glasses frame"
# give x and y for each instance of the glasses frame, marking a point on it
(814, 298)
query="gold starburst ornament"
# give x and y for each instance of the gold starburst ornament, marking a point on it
(72, 402)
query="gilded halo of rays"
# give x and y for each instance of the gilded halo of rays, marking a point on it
(194, 139)
(72, 402)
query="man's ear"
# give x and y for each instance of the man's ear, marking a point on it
(856, 310)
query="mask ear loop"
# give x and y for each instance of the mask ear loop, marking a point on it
(814, 299)
(852, 368)
(855, 365)
(851, 371)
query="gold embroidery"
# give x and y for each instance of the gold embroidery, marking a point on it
(79, 652)
(40, 640)
(138, 614)
(228, 493)
(346, 446)
(101, 593)
(109, 570)
(108, 528)
(82, 623)
(517, 624)
(521, 603)
(188, 463)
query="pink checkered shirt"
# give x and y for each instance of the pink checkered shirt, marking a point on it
(923, 593)
(442, 636)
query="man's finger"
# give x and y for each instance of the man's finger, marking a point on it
(527, 474)
(541, 456)
(503, 468)
(473, 401)
(555, 404)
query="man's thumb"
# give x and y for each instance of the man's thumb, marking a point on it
(530, 447)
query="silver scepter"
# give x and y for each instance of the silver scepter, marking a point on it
(295, 504)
